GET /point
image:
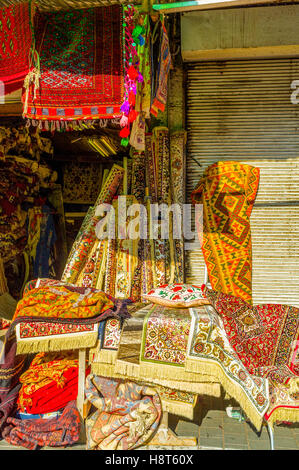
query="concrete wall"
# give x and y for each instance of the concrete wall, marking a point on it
(241, 33)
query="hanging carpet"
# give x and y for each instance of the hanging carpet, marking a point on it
(81, 65)
(15, 40)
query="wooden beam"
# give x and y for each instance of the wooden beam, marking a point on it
(11, 109)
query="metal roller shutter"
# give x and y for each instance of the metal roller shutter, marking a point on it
(241, 110)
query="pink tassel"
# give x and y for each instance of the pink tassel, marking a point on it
(124, 121)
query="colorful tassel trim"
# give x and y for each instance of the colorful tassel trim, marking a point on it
(134, 37)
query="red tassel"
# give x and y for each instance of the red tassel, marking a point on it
(132, 98)
(125, 132)
(132, 72)
(132, 115)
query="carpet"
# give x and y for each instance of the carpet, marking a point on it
(15, 40)
(159, 98)
(87, 236)
(56, 432)
(284, 403)
(34, 337)
(11, 367)
(81, 65)
(265, 337)
(227, 192)
(127, 414)
(209, 351)
(178, 391)
(81, 182)
(165, 336)
(177, 184)
(62, 302)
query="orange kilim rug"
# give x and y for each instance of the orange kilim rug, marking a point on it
(227, 192)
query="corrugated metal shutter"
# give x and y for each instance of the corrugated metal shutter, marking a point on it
(241, 110)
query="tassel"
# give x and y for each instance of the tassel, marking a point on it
(33, 77)
(125, 132)
(124, 142)
(124, 121)
(132, 98)
(132, 73)
(132, 115)
(125, 107)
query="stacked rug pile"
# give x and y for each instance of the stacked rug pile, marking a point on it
(46, 413)
(38, 403)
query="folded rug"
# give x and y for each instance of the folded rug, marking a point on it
(74, 306)
(127, 414)
(56, 432)
(15, 40)
(11, 367)
(33, 337)
(44, 369)
(62, 302)
(50, 383)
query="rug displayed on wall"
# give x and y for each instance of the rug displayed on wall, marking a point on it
(81, 64)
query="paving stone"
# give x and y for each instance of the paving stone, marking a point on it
(237, 447)
(232, 428)
(259, 445)
(211, 432)
(235, 439)
(184, 428)
(211, 442)
(285, 442)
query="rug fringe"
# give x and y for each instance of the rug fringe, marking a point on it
(165, 371)
(284, 414)
(108, 356)
(234, 390)
(128, 371)
(183, 409)
(57, 344)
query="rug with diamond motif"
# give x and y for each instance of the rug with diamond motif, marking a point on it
(81, 63)
(227, 192)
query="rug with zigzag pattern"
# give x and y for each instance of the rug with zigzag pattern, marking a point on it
(227, 192)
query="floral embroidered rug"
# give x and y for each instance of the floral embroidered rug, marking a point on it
(266, 340)
(165, 336)
(210, 351)
(265, 337)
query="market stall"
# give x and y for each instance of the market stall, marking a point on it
(104, 332)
